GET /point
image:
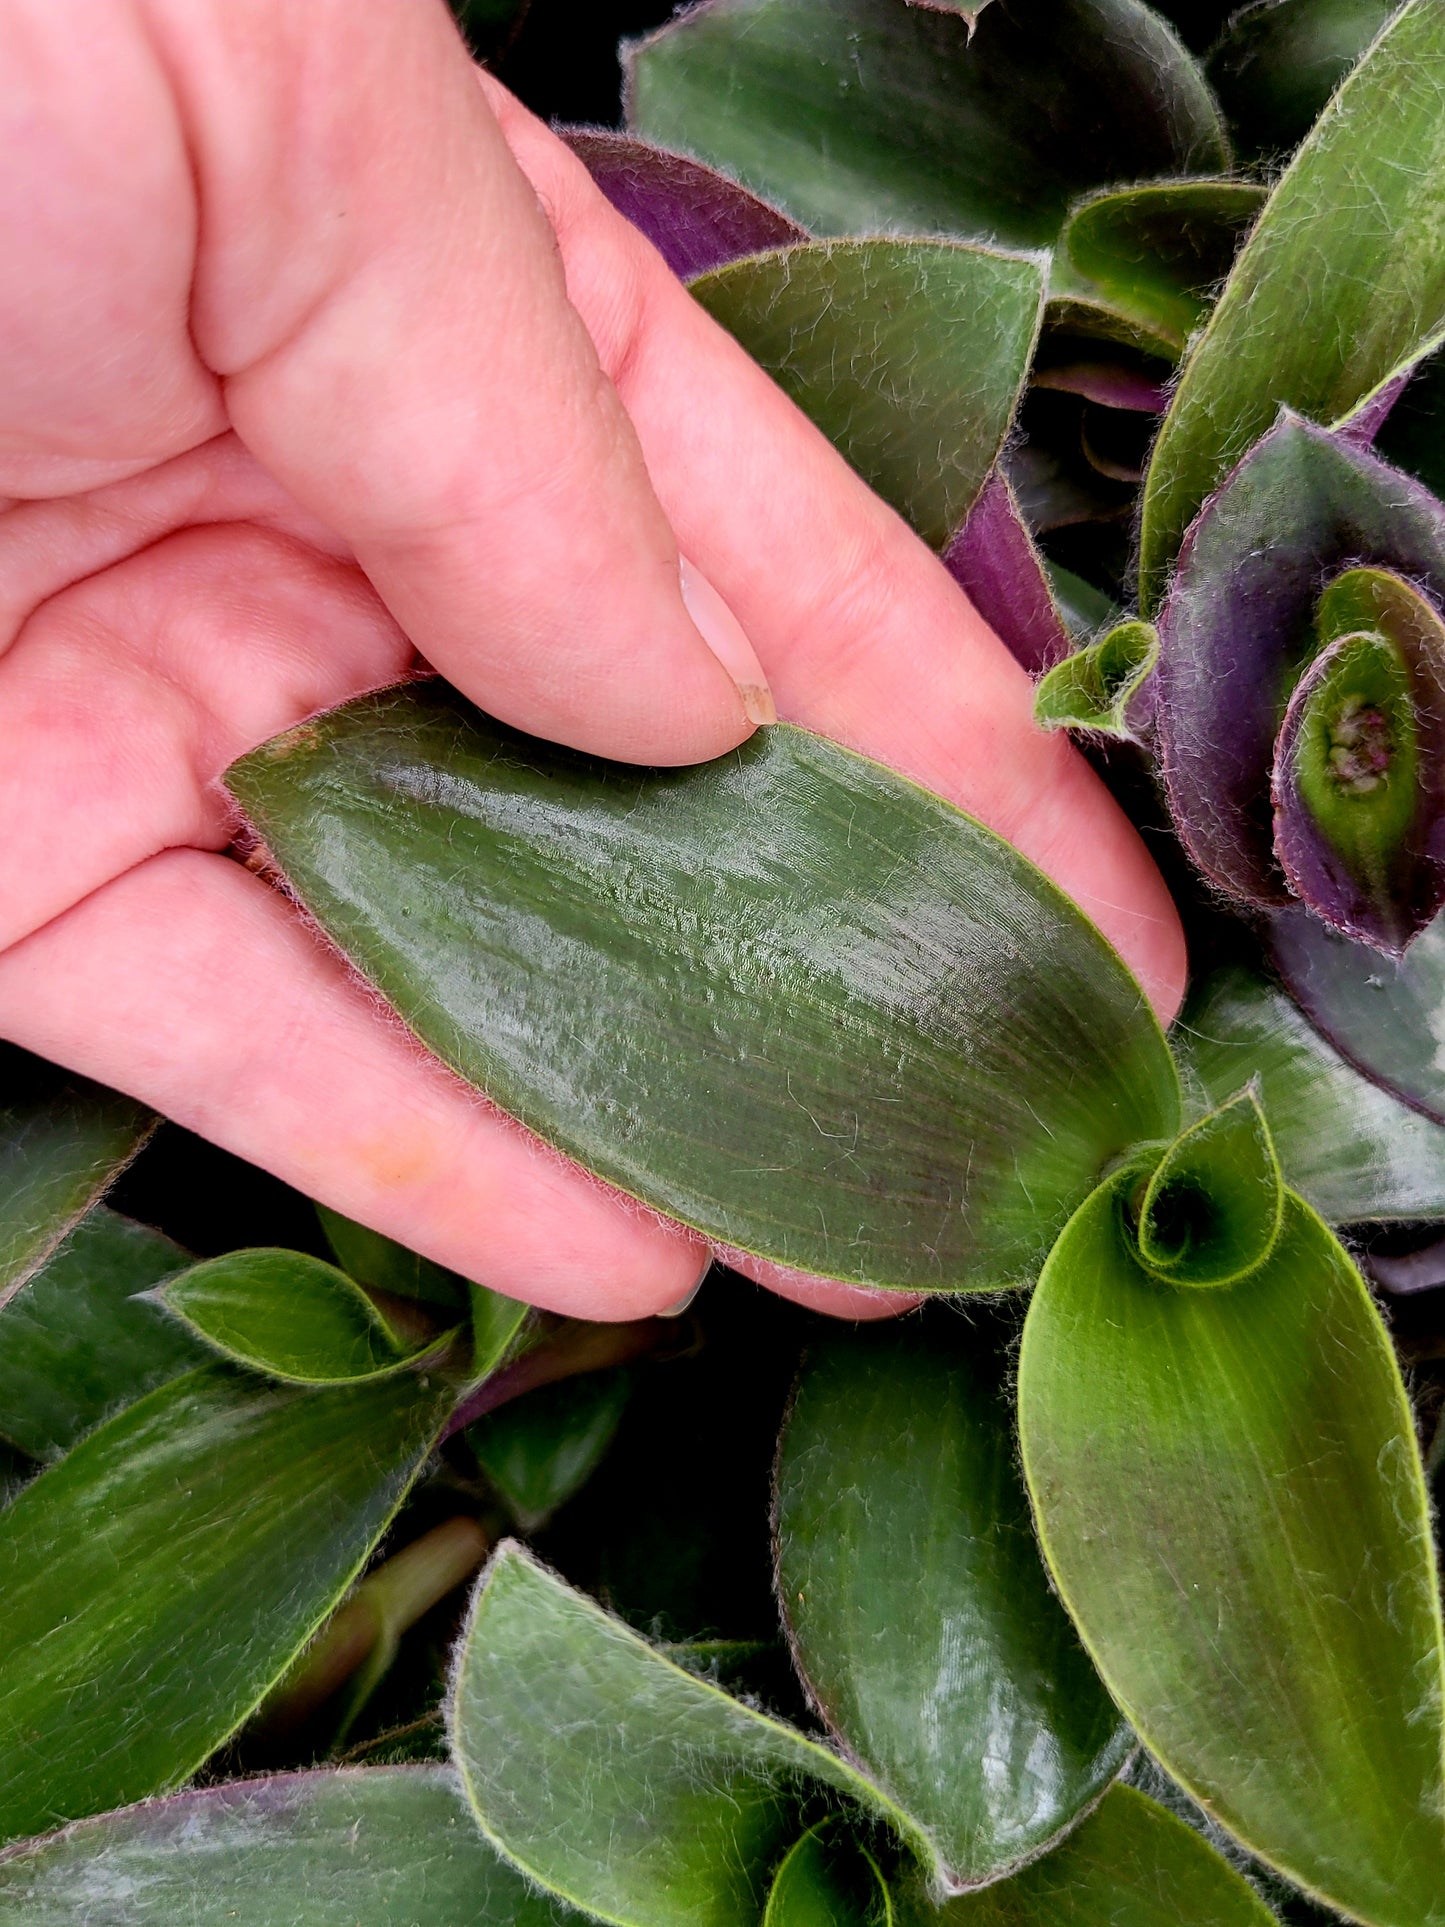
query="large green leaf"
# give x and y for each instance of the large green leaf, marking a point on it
(921, 1615)
(860, 116)
(1341, 284)
(678, 1801)
(382, 1846)
(62, 1140)
(161, 1577)
(787, 997)
(75, 1344)
(909, 355)
(1348, 1147)
(1229, 1494)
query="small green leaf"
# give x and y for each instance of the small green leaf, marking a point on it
(74, 1343)
(1229, 1495)
(540, 1450)
(921, 1616)
(829, 1880)
(1097, 687)
(1341, 284)
(879, 1046)
(679, 1801)
(1086, 609)
(381, 1846)
(162, 1576)
(1211, 1211)
(501, 1328)
(381, 1264)
(1279, 61)
(909, 355)
(287, 1315)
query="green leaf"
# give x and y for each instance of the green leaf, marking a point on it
(502, 1328)
(1348, 1147)
(62, 1141)
(1211, 1211)
(829, 1880)
(1130, 1864)
(383, 1846)
(860, 116)
(678, 1800)
(162, 1576)
(1279, 61)
(75, 1344)
(921, 1616)
(540, 1450)
(909, 355)
(1098, 687)
(1229, 1495)
(878, 1046)
(383, 1265)
(1086, 609)
(1341, 284)
(288, 1315)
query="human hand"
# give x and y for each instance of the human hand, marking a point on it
(301, 379)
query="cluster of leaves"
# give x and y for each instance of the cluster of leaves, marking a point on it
(1103, 1590)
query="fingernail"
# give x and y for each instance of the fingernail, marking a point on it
(727, 639)
(676, 1311)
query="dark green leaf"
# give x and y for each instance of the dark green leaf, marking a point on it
(921, 1616)
(383, 1265)
(75, 1344)
(878, 1045)
(539, 1450)
(375, 1847)
(1229, 1494)
(1280, 60)
(162, 1576)
(857, 116)
(501, 1328)
(1341, 284)
(62, 1140)
(679, 1801)
(1098, 688)
(1085, 608)
(828, 1880)
(909, 355)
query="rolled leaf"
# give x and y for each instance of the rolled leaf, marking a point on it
(1211, 1212)
(696, 218)
(679, 1801)
(878, 1046)
(829, 1880)
(388, 1846)
(994, 561)
(1277, 63)
(921, 1616)
(861, 115)
(1100, 688)
(1323, 307)
(162, 1576)
(909, 355)
(76, 1344)
(1239, 1529)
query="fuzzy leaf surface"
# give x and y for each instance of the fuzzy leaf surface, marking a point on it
(163, 1575)
(786, 997)
(921, 1616)
(1341, 284)
(863, 115)
(1277, 63)
(828, 1880)
(909, 355)
(1228, 1491)
(994, 561)
(1101, 687)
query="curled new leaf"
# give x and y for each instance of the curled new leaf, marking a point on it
(1210, 1212)
(829, 1880)
(1099, 688)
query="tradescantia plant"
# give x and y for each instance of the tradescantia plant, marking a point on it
(1105, 1588)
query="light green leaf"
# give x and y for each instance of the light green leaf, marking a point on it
(74, 1343)
(1341, 284)
(1228, 1492)
(679, 1801)
(540, 1450)
(381, 1264)
(1278, 62)
(1098, 688)
(879, 1045)
(62, 1141)
(909, 355)
(287, 1315)
(856, 116)
(921, 1616)
(381, 1846)
(829, 1880)
(1211, 1211)
(162, 1576)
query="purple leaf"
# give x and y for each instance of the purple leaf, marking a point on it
(1361, 428)
(696, 218)
(995, 563)
(1113, 384)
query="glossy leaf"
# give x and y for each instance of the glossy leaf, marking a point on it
(828, 1880)
(387, 1846)
(1099, 688)
(994, 561)
(696, 218)
(679, 1800)
(75, 1343)
(1320, 310)
(1350, 1149)
(540, 1450)
(909, 355)
(162, 1576)
(1228, 1492)
(381, 1264)
(1086, 610)
(1278, 62)
(287, 1315)
(857, 116)
(877, 1045)
(921, 1616)
(62, 1141)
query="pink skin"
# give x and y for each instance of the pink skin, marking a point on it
(318, 354)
